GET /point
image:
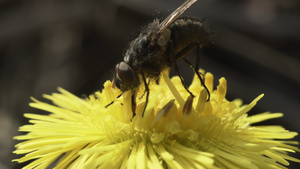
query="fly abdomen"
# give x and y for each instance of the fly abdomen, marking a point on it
(188, 30)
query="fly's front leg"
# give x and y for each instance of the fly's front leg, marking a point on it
(147, 91)
(133, 104)
(144, 90)
(113, 100)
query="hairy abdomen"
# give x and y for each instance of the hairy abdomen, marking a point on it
(185, 31)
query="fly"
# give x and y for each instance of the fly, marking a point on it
(158, 47)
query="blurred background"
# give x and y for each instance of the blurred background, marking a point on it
(76, 44)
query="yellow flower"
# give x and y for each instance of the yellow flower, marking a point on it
(177, 131)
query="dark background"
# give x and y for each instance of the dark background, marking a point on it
(75, 45)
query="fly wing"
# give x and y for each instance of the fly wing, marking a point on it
(174, 15)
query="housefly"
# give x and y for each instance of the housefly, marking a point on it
(158, 47)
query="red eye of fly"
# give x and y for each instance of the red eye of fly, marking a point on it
(125, 77)
(125, 73)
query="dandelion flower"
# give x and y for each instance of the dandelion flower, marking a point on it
(176, 131)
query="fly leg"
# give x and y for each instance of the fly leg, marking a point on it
(175, 58)
(182, 55)
(198, 74)
(146, 89)
(133, 104)
(113, 100)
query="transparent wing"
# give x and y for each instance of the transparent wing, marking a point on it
(174, 15)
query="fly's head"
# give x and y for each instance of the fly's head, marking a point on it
(141, 51)
(125, 78)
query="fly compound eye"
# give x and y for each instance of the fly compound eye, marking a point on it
(125, 77)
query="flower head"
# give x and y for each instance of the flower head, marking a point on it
(176, 131)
